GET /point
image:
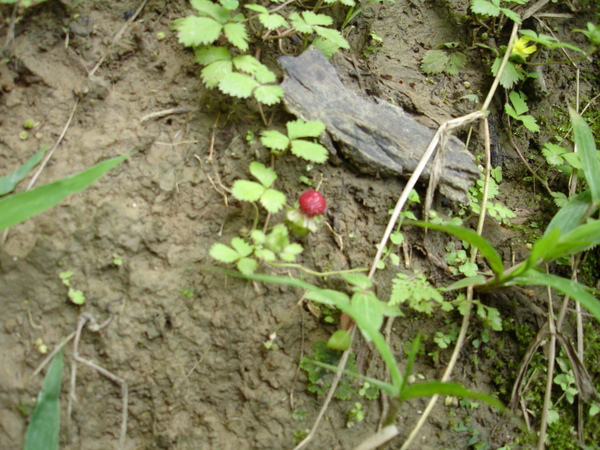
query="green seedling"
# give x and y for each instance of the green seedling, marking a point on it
(300, 140)
(271, 21)
(251, 191)
(355, 415)
(76, 296)
(493, 8)
(417, 292)
(518, 109)
(187, 292)
(308, 23)
(496, 210)
(117, 260)
(458, 260)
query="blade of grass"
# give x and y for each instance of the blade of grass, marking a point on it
(10, 181)
(587, 150)
(44, 429)
(20, 207)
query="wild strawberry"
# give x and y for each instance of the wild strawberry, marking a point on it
(312, 203)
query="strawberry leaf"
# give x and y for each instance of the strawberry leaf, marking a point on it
(223, 253)
(194, 31)
(268, 95)
(215, 72)
(247, 191)
(311, 151)
(209, 55)
(332, 35)
(265, 175)
(275, 140)
(241, 246)
(301, 129)
(247, 265)
(208, 8)
(273, 200)
(247, 63)
(238, 85)
(237, 35)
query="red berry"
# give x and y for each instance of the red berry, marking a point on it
(312, 203)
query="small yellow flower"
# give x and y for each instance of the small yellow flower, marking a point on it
(521, 49)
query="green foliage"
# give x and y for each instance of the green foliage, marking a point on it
(75, 295)
(296, 140)
(9, 182)
(268, 20)
(251, 191)
(415, 289)
(22, 3)
(19, 207)
(497, 210)
(44, 429)
(518, 109)
(444, 60)
(309, 22)
(492, 8)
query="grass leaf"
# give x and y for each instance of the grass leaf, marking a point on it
(587, 148)
(44, 429)
(20, 207)
(9, 182)
(430, 388)
(572, 214)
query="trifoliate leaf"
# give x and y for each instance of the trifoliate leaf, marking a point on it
(510, 76)
(316, 19)
(332, 35)
(265, 254)
(311, 151)
(301, 129)
(230, 4)
(223, 253)
(263, 75)
(458, 60)
(207, 55)
(247, 191)
(195, 31)
(208, 8)
(486, 8)
(530, 123)
(238, 85)
(247, 265)
(290, 252)
(275, 140)
(258, 237)
(215, 72)
(273, 200)
(300, 24)
(265, 175)
(237, 35)
(247, 63)
(553, 153)
(241, 246)
(518, 101)
(268, 95)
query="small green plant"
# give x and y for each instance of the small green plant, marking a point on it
(416, 290)
(117, 260)
(497, 210)
(518, 109)
(296, 140)
(355, 415)
(187, 292)
(445, 59)
(251, 191)
(75, 295)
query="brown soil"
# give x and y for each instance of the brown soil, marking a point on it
(198, 373)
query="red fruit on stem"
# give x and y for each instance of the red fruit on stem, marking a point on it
(312, 203)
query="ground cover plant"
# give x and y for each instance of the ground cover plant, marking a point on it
(250, 281)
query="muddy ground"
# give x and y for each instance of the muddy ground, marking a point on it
(188, 342)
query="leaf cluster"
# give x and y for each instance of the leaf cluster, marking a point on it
(443, 59)
(251, 191)
(299, 140)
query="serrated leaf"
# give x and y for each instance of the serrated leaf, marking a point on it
(273, 21)
(275, 140)
(300, 24)
(291, 251)
(241, 246)
(215, 72)
(273, 200)
(263, 75)
(510, 76)
(332, 35)
(311, 151)
(247, 191)
(211, 9)
(195, 31)
(485, 8)
(518, 101)
(434, 61)
(530, 123)
(265, 175)
(207, 55)
(326, 47)
(237, 35)
(511, 15)
(301, 129)
(317, 19)
(573, 159)
(247, 265)
(223, 253)
(269, 95)
(247, 63)
(230, 4)
(238, 85)
(511, 111)
(265, 254)
(458, 60)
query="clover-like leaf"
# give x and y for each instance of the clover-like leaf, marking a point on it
(290, 252)
(241, 246)
(300, 129)
(194, 31)
(247, 265)
(314, 19)
(311, 151)
(223, 253)
(275, 140)
(237, 35)
(215, 72)
(238, 85)
(273, 200)
(263, 75)
(273, 21)
(248, 191)
(265, 175)
(247, 63)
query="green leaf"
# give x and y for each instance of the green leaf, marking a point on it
(209, 55)
(263, 75)
(340, 340)
(510, 75)
(511, 15)
(290, 252)
(208, 8)
(9, 182)
(247, 191)
(458, 60)
(223, 253)
(332, 35)
(417, 291)
(552, 153)
(247, 266)
(265, 175)
(230, 4)
(76, 296)
(301, 129)
(194, 31)
(238, 85)
(215, 72)
(44, 429)
(269, 95)
(572, 214)
(247, 63)
(326, 47)
(241, 246)
(311, 151)
(17, 208)
(587, 148)
(484, 247)
(273, 200)
(317, 19)
(571, 288)
(275, 140)
(258, 8)
(577, 240)
(328, 297)
(485, 8)
(530, 123)
(434, 61)
(477, 280)
(367, 311)
(430, 388)
(518, 101)
(237, 35)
